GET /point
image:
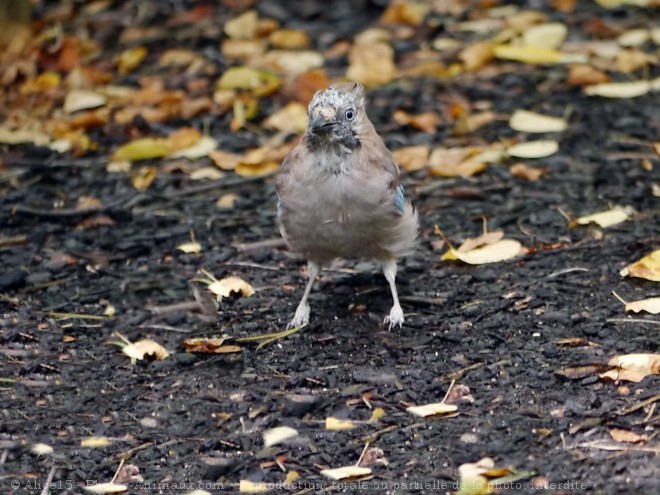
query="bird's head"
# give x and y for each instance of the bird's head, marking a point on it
(335, 117)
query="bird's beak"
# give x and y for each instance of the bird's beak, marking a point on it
(323, 121)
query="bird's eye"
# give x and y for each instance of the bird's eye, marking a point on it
(350, 114)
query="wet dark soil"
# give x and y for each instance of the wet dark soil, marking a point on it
(193, 420)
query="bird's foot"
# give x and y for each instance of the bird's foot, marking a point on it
(301, 317)
(395, 317)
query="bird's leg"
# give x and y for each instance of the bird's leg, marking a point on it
(396, 313)
(302, 312)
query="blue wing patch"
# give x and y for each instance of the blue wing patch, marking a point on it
(399, 199)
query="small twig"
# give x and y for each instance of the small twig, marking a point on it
(632, 320)
(451, 385)
(567, 270)
(253, 246)
(270, 337)
(640, 405)
(64, 316)
(121, 463)
(49, 479)
(124, 203)
(171, 308)
(364, 451)
(252, 265)
(167, 328)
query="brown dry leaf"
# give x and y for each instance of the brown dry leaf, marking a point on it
(183, 138)
(528, 54)
(580, 372)
(607, 218)
(404, 12)
(226, 201)
(576, 342)
(243, 26)
(143, 177)
(458, 162)
(262, 169)
(81, 99)
(179, 57)
(371, 61)
(130, 59)
(225, 160)
(229, 286)
(19, 136)
(346, 473)
(200, 149)
(290, 39)
(526, 121)
(291, 118)
(477, 55)
(332, 423)
(303, 86)
(210, 345)
(145, 348)
(523, 171)
(650, 305)
(648, 267)
(633, 367)
(278, 435)
(627, 436)
(631, 60)
(470, 122)
(534, 149)
(412, 158)
(142, 149)
(585, 75)
(426, 122)
(243, 49)
(437, 409)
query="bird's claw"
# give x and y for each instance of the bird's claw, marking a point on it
(301, 317)
(395, 317)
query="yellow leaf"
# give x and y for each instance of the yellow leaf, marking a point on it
(200, 149)
(193, 247)
(528, 54)
(290, 39)
(534, 149)
(346, 472)
(377, 414)
(648, 267)
(145, 348)
(130, 59)
(231, 285)
(550, 35)
(291, 477)
(243, 26)
(257, 169)
(607, 218)
(502, 250)
(224, 159)
(142, 149)
(435, 409)
(95, 442)
(278, 435)
(143, 177)
(631, 89)
(525, 121)
(247, 486)
(19, 136)
(338, 424)
(261, 83)
(472, 478)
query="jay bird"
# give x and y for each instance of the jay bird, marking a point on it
(340, 196)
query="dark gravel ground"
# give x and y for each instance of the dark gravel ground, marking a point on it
(197, 420)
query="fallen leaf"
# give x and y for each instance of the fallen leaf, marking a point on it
(19, 136)
(524, 171)
(130, 59)
(426, 122)
(648, 267)
(338, 424)
(630, 89)
(292, 118)
(528, 54)
(291, 62)
(633, 367)
(203, 147)
(103, 488)
(244, 26)
(550, 35)
(190, 247)
(604, 219)
(580, 372)
(226, 201)
(80, 99)
(650, 305)
(534, 149)
(142, 149)
(247, 486)
(371, 63)
(486, 238)
(278, 435)
(585, 75)
(404, 12)
(502, 250)
(472, 478)
(470, 122)
(210, 345)
(261, 83)
(262, 169)
(412, 158)
(525, 121)
(143, 177)
(145, 348)
(627, 436)
(95, 442)
(231, 285)
(632, 60)
(435, 409)
(346, 472)
(290, 39)
(41, 449)
(477, 55)
(224, 159)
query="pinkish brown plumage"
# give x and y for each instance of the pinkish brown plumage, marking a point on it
(340, 195)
